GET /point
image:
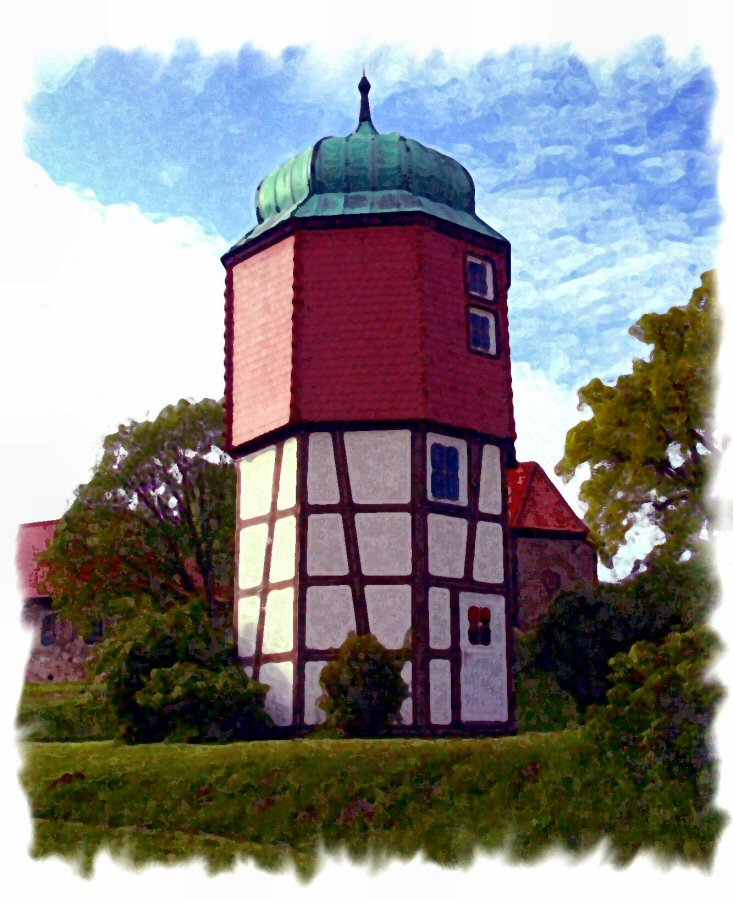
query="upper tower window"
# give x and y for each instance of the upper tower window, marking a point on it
(480, 278)
(482, 331)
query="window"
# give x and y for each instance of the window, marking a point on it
(480, 278)
(48, 630)
(479, 625)
(482, 331)
(444, 481)
(96, 634)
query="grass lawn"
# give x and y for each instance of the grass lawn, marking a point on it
(279, 802)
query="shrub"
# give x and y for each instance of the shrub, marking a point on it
(363, 687)
(584, 630)
(542, 705)
(191, 703)
(656, 723)
(171, 675)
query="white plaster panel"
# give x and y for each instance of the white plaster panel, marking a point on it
(483, 669)
(252, 543)
(406, 708)
(439, 617)
(329, 616)
(312, 713)
(248, 671)
(279, 699)
(288, 475)
(447, 545)
(277, 636)
(326, 553)
(389, 607)
(460, 445)
(255, 483)
(282, 561)
(440, 700)
(488, 562)
(385, 543)
(489, 498)
(248, 615)
(322, 484)
(379, 466)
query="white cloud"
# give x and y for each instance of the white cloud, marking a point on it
(116, 315)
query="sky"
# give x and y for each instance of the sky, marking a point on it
(135, 136)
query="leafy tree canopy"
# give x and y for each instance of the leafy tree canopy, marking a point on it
(649, 441)
(155, 523)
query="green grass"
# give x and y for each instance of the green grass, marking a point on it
(65, 711)
(279, 802)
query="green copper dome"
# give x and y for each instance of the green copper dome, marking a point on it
(367, 172)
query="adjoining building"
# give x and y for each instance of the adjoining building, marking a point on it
(58, 652)
(369, 410)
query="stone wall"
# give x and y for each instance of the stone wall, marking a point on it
(64, 658)
(546, 566)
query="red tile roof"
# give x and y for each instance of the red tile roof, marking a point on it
(535, 502)
(33, 538)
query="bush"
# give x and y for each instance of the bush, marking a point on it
(542, 705)
(363, 686)
(190, 703)
(584, 630)
(172, 676)
(656, 723)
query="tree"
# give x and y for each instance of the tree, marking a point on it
(649, 442)
(154, 525)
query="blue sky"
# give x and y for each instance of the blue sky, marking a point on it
(599, 172)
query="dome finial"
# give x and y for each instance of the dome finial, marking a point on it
(365, 115)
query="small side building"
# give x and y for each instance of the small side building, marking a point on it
(58, 652)
(552, 552)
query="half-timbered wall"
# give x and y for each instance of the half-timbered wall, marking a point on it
(340, 530)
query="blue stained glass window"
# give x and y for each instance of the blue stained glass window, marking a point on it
(444, 480)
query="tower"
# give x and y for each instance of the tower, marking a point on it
(369, 410)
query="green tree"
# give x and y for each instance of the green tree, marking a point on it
(649, 442)
(154, 527)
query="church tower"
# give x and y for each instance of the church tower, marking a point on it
(369, 410)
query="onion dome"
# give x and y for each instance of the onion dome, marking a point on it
(365, 173)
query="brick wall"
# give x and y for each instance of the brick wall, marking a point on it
(261, 348)
(363, 323)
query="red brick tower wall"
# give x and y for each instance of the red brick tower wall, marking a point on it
(260, 345)
(465, 389)
(358, 333)
(362, 324)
